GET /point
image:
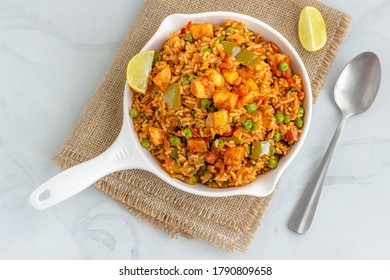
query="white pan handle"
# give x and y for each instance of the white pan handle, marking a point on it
(119, 156)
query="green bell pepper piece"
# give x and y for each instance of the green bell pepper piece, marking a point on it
(247, 58)
(172, 96)
(260, 148)
(230, 48)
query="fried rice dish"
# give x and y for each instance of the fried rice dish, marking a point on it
(222, 105)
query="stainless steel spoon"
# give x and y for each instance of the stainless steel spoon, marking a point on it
(354, 92)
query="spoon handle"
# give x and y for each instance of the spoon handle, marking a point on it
(303, 214)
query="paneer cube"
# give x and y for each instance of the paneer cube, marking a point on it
(215, 77)
(231, 76)
(221, 122)
(163, 78)
(251, 84)
(197, 145)
(202, 30)
(248, 92)
(234, 155)
(248, 97)
(268, 121)
(225, 99)
(156, 136)
(199, 90)
(221, 118)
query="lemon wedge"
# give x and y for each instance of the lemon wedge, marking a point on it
(311, 29)
(138, 70)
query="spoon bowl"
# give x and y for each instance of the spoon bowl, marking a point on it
(358, 84)
(354, 92)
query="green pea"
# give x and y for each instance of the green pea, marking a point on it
(287, 119)
(279, 117)
(212, 108)
(272, 163)
(254, 127)
(205, 103)
(189, 38)
(205, 49)
(251, 107)
(190, 78)
(301, 111)
(298, 122)
(145, 143)
(218, 143)
(134, 113)
(193, 112)
(230, 30)
(276, 136)
(144, 118)
(184, 80)
(174, 140)
(283, 66)
(187, 133)
(247, 124)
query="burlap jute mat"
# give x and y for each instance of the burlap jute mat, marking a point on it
(225, 222)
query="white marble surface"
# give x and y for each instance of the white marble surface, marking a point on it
(52, 56)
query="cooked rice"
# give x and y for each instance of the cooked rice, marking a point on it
(222, 150)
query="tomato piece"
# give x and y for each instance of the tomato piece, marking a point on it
(220, 165)
(188, 25)
(225, 66)
(168, 161)
(292, 135)
(211, 157)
